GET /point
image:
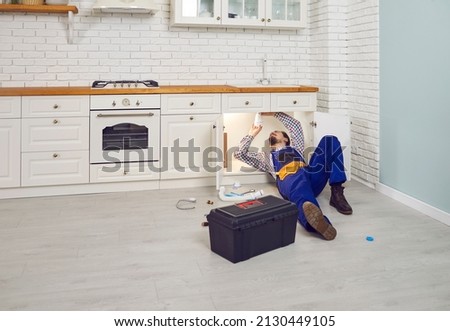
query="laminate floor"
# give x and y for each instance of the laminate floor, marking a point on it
(137, 251)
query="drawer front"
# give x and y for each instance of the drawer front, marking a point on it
(246, 103)
(293, 102)
(190, 104)
(10, 107)
(55, 134)
(55, 168)
(124, 172)
(48, 106)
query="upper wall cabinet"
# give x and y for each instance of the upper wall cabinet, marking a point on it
(277, 14)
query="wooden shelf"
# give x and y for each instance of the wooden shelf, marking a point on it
(69, 10)
(39, 9)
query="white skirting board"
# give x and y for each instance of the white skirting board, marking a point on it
(414, 203)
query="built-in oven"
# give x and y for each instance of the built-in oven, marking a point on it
(124, 128)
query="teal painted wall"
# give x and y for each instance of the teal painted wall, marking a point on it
(415, 99)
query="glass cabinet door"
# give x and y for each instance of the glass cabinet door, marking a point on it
(290, 14)
(197, 11)
(286, 13)
(243, 12)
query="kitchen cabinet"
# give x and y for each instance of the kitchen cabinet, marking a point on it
(302, 106)
(288, 102)
(280, 14)
(9, 142)
(55, 168)
(45, 139)
(51, 106)
(195, 12)
(264, 102)
(176, 104)
(188, 125)
(58, 133)
(286, 13)
(55, 140)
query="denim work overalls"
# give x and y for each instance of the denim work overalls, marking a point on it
(298, 182)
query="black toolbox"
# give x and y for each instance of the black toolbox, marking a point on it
(246, 229)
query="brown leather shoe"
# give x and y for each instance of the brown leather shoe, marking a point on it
(316, 219)
(338, 201)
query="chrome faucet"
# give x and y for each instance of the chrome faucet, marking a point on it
(264, 80)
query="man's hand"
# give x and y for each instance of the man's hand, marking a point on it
(254, 130)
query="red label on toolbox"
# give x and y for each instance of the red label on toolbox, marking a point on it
(250, 204)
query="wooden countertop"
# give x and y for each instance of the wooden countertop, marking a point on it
(170, 89)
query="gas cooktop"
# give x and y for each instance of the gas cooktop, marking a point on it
(124, 83)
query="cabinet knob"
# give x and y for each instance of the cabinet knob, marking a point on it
(294, 102)
(263, 19)
(247, 103)
(114, 104)
(191, 104)
(269, 20)
(55, 121)
(138, 103)
(55, 106)
(55, 155)
(218, 18)
(191, 118)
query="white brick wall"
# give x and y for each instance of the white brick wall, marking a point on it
(328, 19)
(344, 64)
(338, 52)
(35, 52)
(363, 87)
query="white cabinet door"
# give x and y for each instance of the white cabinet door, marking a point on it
(222, 148)
(50, 134)
(195, 12)
(9, 153)
(55, 168)
(278, 14)
(286, 13)
(244, 13)
(187, 143)
(336, 125)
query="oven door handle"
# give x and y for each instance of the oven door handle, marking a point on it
(124, 115)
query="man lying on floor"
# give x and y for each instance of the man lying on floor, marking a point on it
(297, 181)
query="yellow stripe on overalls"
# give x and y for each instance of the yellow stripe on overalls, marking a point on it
(290, 168)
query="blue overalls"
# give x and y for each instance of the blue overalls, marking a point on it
(298, 182)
